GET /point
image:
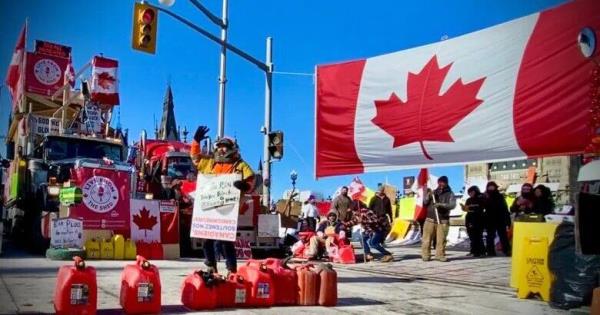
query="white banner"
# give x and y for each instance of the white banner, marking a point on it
(44, 125)
(145, 220)
(67, 233)
(216, 207)
(92, 119)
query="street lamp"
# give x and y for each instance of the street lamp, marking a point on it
(266, 67)
(293, 177)
(167, 3)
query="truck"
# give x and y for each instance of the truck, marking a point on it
(51, 141)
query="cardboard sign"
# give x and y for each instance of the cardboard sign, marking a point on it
(92, 122)
(268, 225)
(145, 220)
(216, 207)
(67, 233)
(44, 125)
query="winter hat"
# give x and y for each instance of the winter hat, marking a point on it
(443, 179)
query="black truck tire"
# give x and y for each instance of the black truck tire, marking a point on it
(64, 253)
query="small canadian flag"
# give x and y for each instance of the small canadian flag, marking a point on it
(13, 75)
(105, 84)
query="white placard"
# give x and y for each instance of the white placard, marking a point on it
(44, 125)
(268, 225)
(168, 206)
(93, 119)
(216, 207)
(67, 233)
(145, 220)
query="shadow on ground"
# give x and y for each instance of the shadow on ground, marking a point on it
(376, 280)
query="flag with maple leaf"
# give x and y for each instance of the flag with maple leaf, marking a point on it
(515, 90)
(15, 68)
(145, 223)
(105, 83)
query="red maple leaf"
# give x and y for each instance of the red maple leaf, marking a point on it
(145, 221)
(105, 80)
(427, 115)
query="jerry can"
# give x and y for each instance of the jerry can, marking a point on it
(130, 250)
(308, 285)
(107, 250)
(92, 249)
(232, 291)
(199, 291)
(261, 292)
(143, 249)
(156, 251)
(76, 290)
(285, 281)
(346, 255)
(140, 288)
(119, 246)
(328, 285)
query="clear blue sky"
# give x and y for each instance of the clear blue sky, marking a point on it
(306, 33)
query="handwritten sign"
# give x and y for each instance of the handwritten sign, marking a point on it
(67, 233)
(216, 207)
(44, 125)
(268, 225)
(93, 120)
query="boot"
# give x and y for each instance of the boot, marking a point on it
(387, 258)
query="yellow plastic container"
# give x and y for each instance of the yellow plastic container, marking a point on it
(535, 276)
(522, 231)
(119, 246)
(107, 249)
(130, 250)
(92, 249)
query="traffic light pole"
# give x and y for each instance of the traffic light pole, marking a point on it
(222, 73)
(267, 67)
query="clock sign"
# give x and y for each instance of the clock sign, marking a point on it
(47, 71)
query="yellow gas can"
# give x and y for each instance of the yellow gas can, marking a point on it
(92, 249)
(119, 246)
(130, 249)
(107, 249)
(535, 276)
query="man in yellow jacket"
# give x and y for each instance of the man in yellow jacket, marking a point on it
(225, 159)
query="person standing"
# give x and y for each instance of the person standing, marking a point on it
(342, 204)
(474, 221)
(310, 213)
(439, 203)
(497, 220)
(524, 203)
(381, 204)
(543, 203)
(225, 159)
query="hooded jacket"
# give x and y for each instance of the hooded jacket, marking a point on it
(444, 202)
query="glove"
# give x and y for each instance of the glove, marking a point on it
(200, 133)
(241, 185)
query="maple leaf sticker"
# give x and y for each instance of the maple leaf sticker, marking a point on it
(427, 115)
(105, 80)
(145, 221)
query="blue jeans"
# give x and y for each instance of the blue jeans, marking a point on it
(374, 240)
(227, 249)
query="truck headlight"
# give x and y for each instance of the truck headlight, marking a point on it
(53, 190)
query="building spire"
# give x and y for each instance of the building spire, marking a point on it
(168, 126)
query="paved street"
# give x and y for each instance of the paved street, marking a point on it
(406, 286)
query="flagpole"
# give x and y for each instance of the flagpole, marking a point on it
(23, 70)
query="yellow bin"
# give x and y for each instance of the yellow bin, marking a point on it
(107, 249)
(521, 232)
(535, 276)
(119, 246)
(92, 249)
(130, 249)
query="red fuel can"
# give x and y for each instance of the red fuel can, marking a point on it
(76, 290)
(346, 255)
(257, 274)
(232, 291)
(140, 288)
(308, 285)
(285, 282)
(197, 294)
(156, 251)
(328, 286)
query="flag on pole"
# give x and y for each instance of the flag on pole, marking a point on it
(105, 84)
(356, 189)
(422, 180)
(515, 90)
(70, 73)
(13, 75)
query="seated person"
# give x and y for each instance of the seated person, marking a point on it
(328, 232)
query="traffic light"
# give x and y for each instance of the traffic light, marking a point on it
(276, 144)
(145, 23)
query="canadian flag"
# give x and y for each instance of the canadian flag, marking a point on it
(105, 84)
(515, 90)
(70, 73)
(422, 184)
(13, 75)
(356, 189)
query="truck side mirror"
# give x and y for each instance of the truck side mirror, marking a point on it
(10, 150)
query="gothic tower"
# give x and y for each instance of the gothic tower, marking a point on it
(168, 126)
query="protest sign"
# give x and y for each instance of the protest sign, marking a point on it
(67, 233)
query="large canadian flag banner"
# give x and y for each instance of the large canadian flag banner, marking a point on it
(515, 90)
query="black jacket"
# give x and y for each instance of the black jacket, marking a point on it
(496, 209)
(381, 206)
(475, 205)
(445, 201)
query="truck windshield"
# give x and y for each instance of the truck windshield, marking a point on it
(179, 167)
(60, 149)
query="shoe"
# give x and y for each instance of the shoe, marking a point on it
(387, 258)
(212, 270)
(426, 258)
(370, 257)
(442, 259)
